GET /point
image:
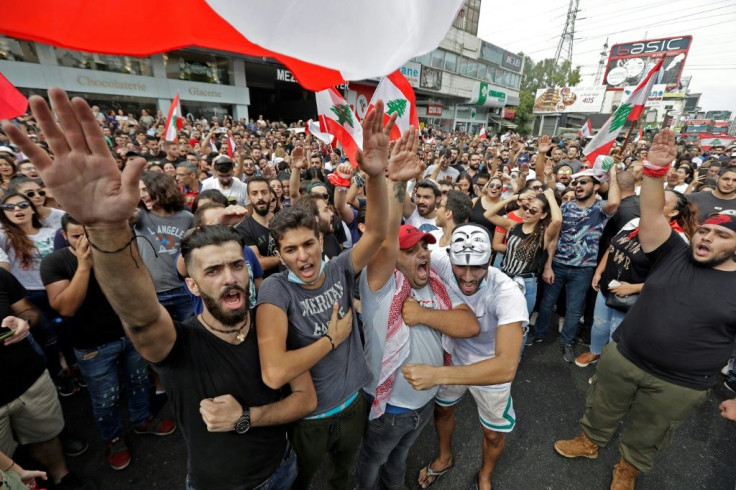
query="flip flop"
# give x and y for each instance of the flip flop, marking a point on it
(435, 474)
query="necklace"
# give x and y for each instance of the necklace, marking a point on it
(241, 335)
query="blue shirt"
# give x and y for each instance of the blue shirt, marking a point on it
(580, 234)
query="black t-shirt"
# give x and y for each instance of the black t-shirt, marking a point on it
(19, 363)
(708, 203)
(627, 262)
(627, 210)
(683, 325)
(199, 366)
(255, 234)
(95, 322)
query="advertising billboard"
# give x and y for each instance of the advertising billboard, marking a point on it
(569, 99)
(430, 78)
(629, 63)
(486, 95)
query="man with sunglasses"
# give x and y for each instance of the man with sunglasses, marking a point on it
(575, 255)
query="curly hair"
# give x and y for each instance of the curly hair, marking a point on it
(163, 190)
(25, 249)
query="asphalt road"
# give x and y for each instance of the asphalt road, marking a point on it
(549, 399)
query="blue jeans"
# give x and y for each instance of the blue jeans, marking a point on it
(575, 281)
(385, 446)
(605, 321)
(530, 293)
(177, 302)
(99, 367)
(282, 478)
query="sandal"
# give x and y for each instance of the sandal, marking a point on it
(429, 472)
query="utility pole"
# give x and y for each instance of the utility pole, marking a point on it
(568, 35)
(601, 64)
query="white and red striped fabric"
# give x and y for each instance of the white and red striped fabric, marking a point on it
(230, 147)
(378, 36)
(336, 118)
(397, 96)
(629, 110)
(482, 135)
(313, 129)
(586, 131)
(174, 121)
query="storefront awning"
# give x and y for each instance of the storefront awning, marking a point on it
(509, 125)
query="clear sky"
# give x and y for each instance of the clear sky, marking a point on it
(535, 26)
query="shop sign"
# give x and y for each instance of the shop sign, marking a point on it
(412, 72)
(434, 110)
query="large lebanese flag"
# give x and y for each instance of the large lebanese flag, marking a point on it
(368, 39)
(586, 131)
(397, 96)
(629, 110)
(336, 118)
(173, 121)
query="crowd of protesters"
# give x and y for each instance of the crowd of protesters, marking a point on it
(294, 306)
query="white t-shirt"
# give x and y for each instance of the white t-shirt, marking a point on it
(421, 223)
(450, 173)
(53, 220)
(30, 278)
(498, 302)
(426, 343)
(237, 193)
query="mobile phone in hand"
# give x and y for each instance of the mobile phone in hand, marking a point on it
(5, 333)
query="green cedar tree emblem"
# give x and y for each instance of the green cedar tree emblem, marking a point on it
(620, 116)
(343, 114)
(396, 105)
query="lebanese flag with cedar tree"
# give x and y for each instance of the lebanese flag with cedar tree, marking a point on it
(174, 121)
(336, 118)
(398, 96)
(482, 135)
(230, 147)
(390, 33)
(629, 110)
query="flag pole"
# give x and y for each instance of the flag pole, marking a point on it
(628, 137)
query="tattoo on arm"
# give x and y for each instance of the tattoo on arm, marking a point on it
(399, 191)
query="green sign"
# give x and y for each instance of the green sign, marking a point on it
(485, 96)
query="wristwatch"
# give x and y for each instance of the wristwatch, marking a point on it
(243, 424)
(358, 180)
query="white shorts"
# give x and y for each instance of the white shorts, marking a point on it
(495, 407)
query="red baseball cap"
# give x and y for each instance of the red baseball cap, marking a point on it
(409, 236)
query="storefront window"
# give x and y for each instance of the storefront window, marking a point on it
(198, 67)
(490, 74)
(15, 50)
(102, 62)
(472, 69)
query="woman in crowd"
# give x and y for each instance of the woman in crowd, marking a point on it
(490, 194)
(26, 241)
(621, 273)
(278, 189)
(7, 170)
(161, 222)
(465, 183)
(49, 217)
(527, 240)
(169, 169)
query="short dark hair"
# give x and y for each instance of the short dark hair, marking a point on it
(207, 235)
(460, 204)
(429, 184)
(290, 219)
(213, 195)
(257, 178)
(67, 220)
(18, 180)
(199, 214)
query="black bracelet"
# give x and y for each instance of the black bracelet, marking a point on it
(108, 251)
(332, 342)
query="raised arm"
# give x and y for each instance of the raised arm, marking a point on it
(555, 222)
(373, 159)
(85, 181)
(344, 210)
(491, 214)
(654, 229)
(298, 162)
(403, 166)
(543, 146)
(614, 193)
(66, 296)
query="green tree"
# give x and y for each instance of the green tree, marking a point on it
(396, 105)
(541, 74)
(343, 114)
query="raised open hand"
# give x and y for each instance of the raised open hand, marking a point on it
(404, 164)
(83, 176)
(663, 151)
(298, 158)
(544, 144)
(372, 159)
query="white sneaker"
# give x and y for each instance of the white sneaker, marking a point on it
(728, 367)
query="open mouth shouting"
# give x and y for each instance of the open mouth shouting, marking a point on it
(233, 298)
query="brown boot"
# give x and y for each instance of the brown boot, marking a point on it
(581, 446)
(624, 476)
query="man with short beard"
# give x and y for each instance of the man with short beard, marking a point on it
(722, 198)
(423, 213)
(222, 180)
(233, 425)
(249, 169)
(668, 351)
(473, 166)
(255, 229)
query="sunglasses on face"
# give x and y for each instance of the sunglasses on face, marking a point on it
(40, 192)
(19, 205)
(581, 182)
(495, 186)
(323, 196)
(530, 210)
(537, 187)
(564, 172)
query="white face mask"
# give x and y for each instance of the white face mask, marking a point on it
(470, 245)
